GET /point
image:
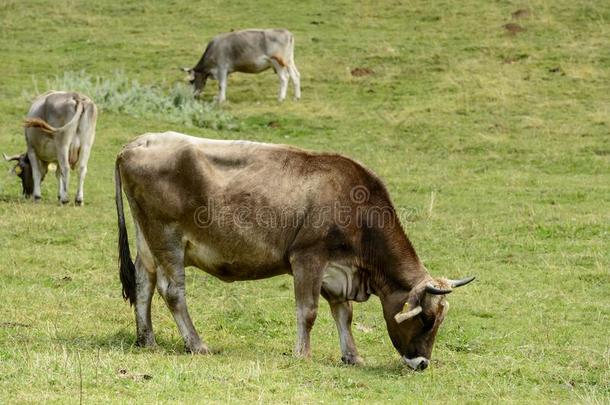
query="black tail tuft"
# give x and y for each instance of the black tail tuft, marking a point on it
(127, 271)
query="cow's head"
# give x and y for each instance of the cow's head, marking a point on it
(196, 79)
(23, 169)
(413, 319)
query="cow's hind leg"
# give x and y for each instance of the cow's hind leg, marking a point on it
(307, 272)
(295, 76)
(171, 286)
(64, 173)
(82, 172)
(86, 132)
(146, 279)
(282, 74)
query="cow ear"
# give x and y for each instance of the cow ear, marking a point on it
(17, 170)
(407, 313)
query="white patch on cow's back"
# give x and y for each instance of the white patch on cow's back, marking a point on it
(152, 139)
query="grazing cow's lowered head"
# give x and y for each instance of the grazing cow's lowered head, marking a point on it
(413, 318)
(59, 128)
(196, 79)
(23, 169)
(247, 51)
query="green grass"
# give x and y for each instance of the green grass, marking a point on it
(515, 156)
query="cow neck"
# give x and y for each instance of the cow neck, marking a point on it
(391, 262)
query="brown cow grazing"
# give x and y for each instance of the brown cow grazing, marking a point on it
(59, 128)
(246, 210)
(247, 51)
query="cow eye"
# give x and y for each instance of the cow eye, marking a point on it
(428, 322)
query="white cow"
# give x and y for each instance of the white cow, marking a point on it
(248, 51)
(59, 128)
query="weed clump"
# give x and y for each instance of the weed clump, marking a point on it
(118, 93)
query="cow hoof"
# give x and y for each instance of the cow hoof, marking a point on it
(203, 349)
(79, 203)
(37, 198)
(352, 360)
(64, 202)
(148, 343)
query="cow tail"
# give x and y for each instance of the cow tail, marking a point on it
(40, 124)
(127, 271)
(291, 53)
(35, 122)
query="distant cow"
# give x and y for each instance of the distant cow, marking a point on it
(59, 128)
(249, 51)
(324, 218)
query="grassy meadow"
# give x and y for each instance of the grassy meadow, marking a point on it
(494, 144)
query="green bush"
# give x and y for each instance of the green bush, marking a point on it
(121, 94)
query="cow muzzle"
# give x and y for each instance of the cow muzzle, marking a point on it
(417, 363)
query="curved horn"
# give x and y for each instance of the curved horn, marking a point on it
(436, 291)
(461, 282)
(9, 158)
(403, 316)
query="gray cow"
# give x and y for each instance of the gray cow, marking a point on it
(248, 51)
(59, 128)
(325, 219)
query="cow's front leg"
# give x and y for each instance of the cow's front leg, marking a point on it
(64, 174)
(171, 286)
(36, 174)
(307, 272)
(342, 313)
(222, 85)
